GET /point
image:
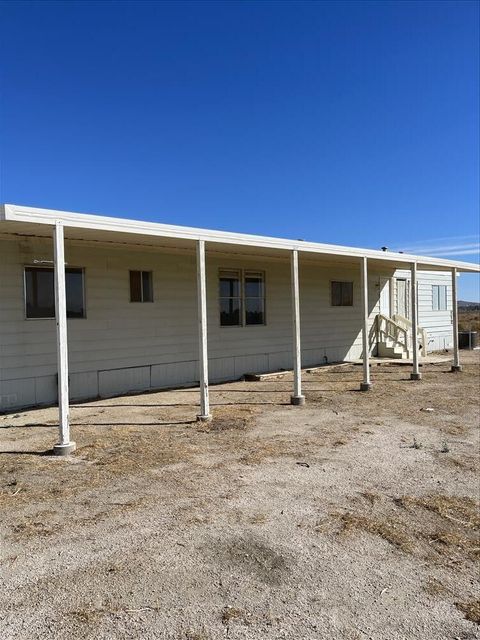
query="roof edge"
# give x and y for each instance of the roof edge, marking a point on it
(35, 215)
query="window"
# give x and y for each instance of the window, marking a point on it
(40, 292)
(342, 294)
(230, 299)
(242, 298)
(254, 290)
(439, 297)
(141, 286)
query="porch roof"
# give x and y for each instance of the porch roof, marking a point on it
(32, 221)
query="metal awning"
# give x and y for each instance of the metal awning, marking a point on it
(31, 221)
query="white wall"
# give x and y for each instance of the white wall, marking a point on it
(438, 324)
(122, 346)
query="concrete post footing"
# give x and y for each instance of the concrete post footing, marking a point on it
(64, 449)
(415, 376)
(297, 400)
(365, 386)
(456, 367)
(201, 418)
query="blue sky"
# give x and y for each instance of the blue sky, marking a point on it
(352, 123)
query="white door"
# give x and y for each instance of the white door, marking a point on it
(402, 306)
(385, 296)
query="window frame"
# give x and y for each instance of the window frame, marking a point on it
(242, 275)
(141, 272)
(342, 306)
(440, 298)
(52, 268)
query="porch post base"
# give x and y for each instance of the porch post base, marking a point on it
(456, 367)
(415, 376)
(365, 386)
(64, 449)
(205, 418)
(297, 400)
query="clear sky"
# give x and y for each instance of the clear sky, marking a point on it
(343, 122)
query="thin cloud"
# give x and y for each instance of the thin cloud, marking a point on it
(451, 246)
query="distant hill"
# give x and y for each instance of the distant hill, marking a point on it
(469, 306)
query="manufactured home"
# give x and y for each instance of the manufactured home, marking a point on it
(92, 306)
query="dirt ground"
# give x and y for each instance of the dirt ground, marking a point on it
(355, 516)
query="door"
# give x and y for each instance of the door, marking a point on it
(402, 302)
(385, 296)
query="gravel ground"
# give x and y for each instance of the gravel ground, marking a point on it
(355, 516)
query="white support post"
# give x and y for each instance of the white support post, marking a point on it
(65, 445)
(202, 332)
(297, 398)
(415, 375)
(366, 385)
(456, 356)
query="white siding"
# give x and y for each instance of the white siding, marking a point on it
(122, 346)
(438, 324)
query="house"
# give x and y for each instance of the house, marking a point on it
(92, 306)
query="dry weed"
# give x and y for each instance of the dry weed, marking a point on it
(471, 610)
(231, 613)
(461, 510)
(434, 587)
(384, 528)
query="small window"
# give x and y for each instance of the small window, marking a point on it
(254, 298)
(439, 297)
(40, 292)
(230, 299)
(342, 294)
(141, 286)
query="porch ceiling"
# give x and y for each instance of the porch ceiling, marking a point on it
(29, 221)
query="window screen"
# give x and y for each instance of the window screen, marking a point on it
(40, 292)
(342, 294)
(141, 286)
(230, 298)
(439, 297)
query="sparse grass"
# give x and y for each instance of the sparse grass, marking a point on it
(434, 587)
(229, 417)
(460, 510)
(384, 528)
(231, 613)
(47, 523)
(471, 610)
(452, 531)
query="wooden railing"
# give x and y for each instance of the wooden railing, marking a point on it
(421, 333)
(389, 329)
